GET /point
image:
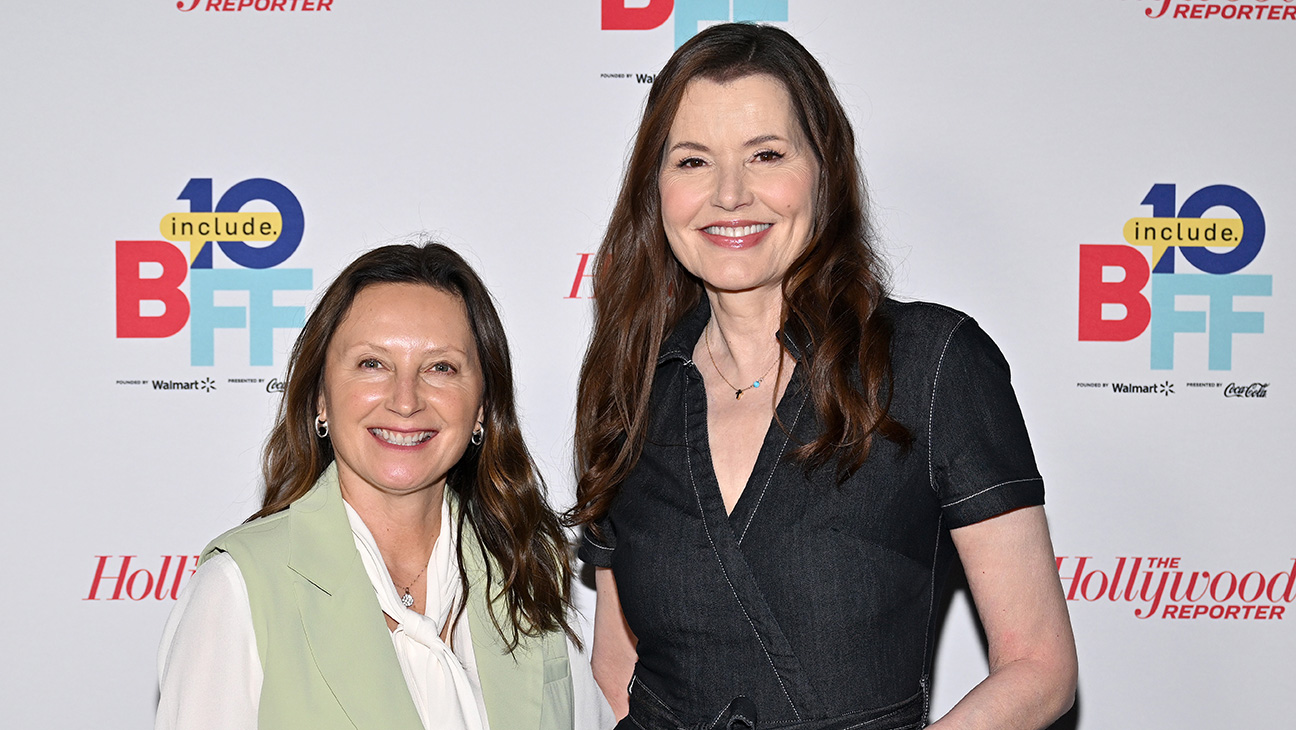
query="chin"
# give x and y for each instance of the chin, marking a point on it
(737, 282)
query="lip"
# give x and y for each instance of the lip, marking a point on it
(403, 439)
(739, 242)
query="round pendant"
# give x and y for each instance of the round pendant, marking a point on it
(407, 600)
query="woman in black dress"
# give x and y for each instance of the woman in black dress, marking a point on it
(777, 462)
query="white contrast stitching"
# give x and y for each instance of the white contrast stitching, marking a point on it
(787, 437)
(688, 458)
(590, 541)
(983, 491)
(931, 413)
(931, 596)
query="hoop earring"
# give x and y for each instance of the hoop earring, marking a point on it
(478, 435)
(321, 427)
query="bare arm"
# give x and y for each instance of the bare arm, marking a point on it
(1013, 576)
(613, 655)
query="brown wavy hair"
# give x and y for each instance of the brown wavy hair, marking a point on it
(831, 292)
(501, 495)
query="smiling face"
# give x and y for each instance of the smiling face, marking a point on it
(738, 183)
(402, 388)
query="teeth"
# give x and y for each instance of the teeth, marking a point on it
(401, 439)
(739, 232)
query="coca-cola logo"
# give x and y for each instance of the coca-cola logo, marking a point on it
(1254, 390)
(275, 386)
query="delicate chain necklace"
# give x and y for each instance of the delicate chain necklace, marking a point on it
(737, 391)
(407, 600)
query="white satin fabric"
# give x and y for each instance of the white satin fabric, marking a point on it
(443, 692)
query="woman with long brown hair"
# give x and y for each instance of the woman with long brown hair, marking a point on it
(404, 570)
(777, 462)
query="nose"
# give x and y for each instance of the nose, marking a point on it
(732, 191)
(405, 399)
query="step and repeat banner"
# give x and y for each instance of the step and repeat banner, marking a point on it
(1106, 186)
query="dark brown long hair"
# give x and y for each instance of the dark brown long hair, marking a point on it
(831, 292)
(501, 495)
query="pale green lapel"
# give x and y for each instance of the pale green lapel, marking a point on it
(344, 625)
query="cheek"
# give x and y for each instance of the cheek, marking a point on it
(351, 398)
(796, 196)
(679, 203)
(460, 405)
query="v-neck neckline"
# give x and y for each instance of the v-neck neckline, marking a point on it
(678, 346)
(774, 446)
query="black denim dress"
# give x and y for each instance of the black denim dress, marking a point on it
(811, 605)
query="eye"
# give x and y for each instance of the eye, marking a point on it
(768, 156)
(442, 367)
(691, 162)
(370, 363)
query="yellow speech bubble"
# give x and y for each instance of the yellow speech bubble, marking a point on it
(1163, 233)
(198, 228)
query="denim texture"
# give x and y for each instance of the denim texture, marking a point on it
(813, 601)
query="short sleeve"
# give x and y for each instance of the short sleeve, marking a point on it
(598, 542)
(980, 459)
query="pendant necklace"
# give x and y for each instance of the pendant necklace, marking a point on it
(737, 391)
(407, 600)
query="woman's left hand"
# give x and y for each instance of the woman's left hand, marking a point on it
(1012, 572)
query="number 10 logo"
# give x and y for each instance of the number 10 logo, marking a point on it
(1216, 247)
(231, 228)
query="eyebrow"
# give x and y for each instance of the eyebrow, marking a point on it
(699, 147)
(383, 349)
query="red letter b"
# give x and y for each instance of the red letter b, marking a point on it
(132, 289)
(1094, 292)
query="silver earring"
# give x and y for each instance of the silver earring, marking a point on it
(321, 427)
(478, 435)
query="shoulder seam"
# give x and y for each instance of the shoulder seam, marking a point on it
(931, 411)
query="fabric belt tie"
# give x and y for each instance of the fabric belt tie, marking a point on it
(739, 715)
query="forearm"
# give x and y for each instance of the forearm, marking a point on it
(613, 655)
(1027, 694)
(1010, 568)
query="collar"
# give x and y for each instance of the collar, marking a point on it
(342, 622)
(683, 338)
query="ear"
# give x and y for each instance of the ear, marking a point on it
(321, 406)
(481, 415)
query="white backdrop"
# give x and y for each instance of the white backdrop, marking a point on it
(998, 139)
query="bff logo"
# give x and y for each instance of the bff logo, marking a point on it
(151, 303)
(1218, 231)
(650, 14)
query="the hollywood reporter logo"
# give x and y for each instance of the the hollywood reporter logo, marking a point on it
(1114, 309)
(121, 578)
(259, 6)
(1231, 10)
(150, 273)
(1159, 587)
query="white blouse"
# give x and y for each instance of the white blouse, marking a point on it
(210, 673)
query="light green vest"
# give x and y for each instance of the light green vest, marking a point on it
(325, 649)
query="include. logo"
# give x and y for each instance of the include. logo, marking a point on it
(151, 303)
(1113, 306)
